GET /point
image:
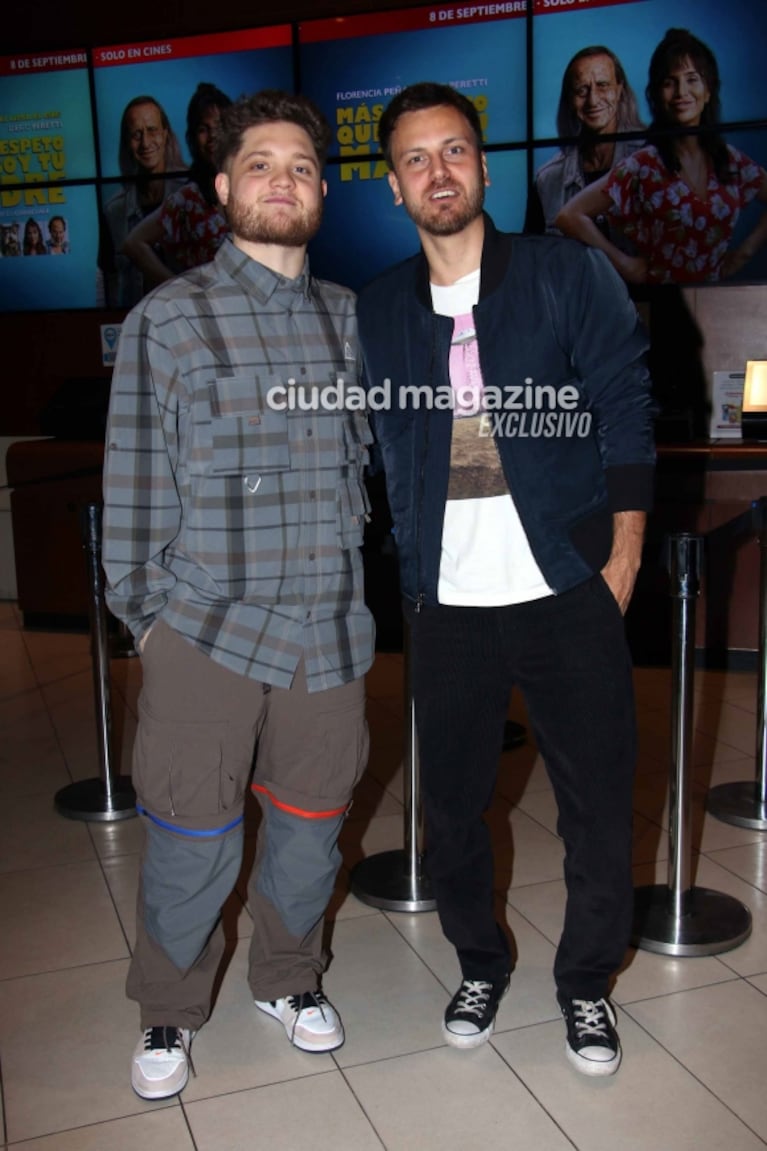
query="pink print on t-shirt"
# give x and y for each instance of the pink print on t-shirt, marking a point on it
(465, 372)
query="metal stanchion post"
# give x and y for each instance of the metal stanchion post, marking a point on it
(679, 919)
(394, 880)
(745, 803)
(109, 797)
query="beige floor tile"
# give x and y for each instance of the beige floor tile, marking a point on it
(121, 874)
(692, 1026)
(453, 1100)
(67, 1039)
(17, 675)
(31, 760)
(315, 1114)
(360, 839)
(24, 712)
(652, 1104)
(57, 917)
(33, 834)
(525, 851)
(645, 974)
(759, 982)
(530, 998)
(164, 1128)
(57, 652)
(748, 862)
(390, 1002)
(113, 839)
(241, 1047)
(728, 723)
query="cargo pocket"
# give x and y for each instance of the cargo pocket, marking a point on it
(353, 502)
(178, 771)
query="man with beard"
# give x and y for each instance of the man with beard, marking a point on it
(518, 511)
(232, 525)
(595, 102)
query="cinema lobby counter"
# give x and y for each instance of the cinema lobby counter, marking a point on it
(709, 488)
(704, 487)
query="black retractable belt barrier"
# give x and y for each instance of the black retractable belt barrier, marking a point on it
(677, 918)
(395, 880)
(745, 803)
(109, 797)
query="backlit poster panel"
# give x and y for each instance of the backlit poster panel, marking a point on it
(352, 66)
(46, 138)
(688, 231)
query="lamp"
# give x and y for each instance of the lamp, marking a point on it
(754, 419)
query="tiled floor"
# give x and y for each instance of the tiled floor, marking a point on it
(693, 1029)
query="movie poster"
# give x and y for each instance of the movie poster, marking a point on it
(168, 71)
(352, 66)
(687, 234)
(144, 93)
(46, 138)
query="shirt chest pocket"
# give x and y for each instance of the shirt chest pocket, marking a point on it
(235, 430)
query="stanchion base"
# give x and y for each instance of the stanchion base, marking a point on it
(383, 881)
(738, 803)
(87, 799)
(714, 922)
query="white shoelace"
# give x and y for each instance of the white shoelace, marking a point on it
(591, 1017)
(474, 996)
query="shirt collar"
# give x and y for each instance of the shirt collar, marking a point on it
(257, 279)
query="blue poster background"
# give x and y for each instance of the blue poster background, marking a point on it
(52, 111)
(492, 52)
(72, 280)
(172, 83)
(52, 103)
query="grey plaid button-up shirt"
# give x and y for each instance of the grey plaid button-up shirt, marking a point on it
(238, 519)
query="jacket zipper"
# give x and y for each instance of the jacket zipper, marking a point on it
(420, 595)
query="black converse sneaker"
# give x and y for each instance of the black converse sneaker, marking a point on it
(470, 1014)
(592, 1044)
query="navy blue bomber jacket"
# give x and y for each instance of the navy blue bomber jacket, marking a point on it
(551, 312)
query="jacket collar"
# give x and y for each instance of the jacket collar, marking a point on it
(496, 254)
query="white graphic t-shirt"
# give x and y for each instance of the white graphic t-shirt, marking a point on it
(486, 560)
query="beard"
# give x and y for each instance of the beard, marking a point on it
(439, 222)
(249, 222)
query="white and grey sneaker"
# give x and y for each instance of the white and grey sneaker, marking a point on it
(592, 1044)
(310, 1021)
(161, 1062)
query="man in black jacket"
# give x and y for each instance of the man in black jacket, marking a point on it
(515, 426)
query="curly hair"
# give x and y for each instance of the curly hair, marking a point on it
(270, 106)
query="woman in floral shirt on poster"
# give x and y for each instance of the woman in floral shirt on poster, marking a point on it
(678, 199)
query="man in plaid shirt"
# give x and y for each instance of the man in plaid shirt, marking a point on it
(233, 516)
